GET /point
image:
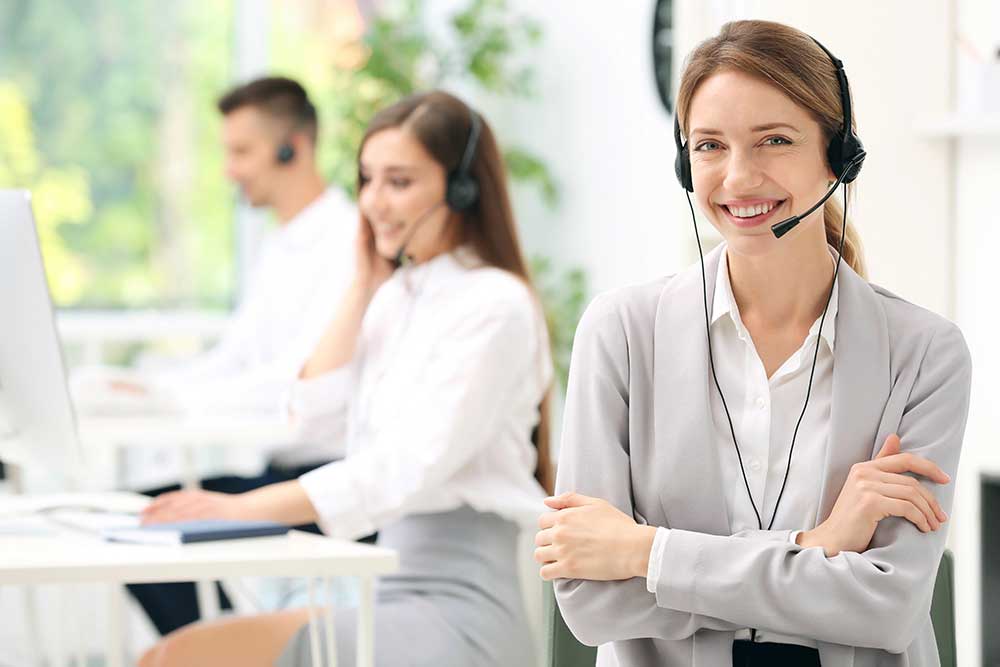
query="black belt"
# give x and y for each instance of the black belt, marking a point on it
(767, 654)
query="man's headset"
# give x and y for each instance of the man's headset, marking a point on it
(286, 151)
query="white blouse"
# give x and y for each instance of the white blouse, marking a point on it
(765, 411)
(438, 404)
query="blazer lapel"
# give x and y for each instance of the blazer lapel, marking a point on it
(687, 460)
(861, 384)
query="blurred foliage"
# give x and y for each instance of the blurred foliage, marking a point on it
(106, 114)
(396, 54)
(564, 296)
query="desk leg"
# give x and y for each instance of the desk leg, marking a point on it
(331, 641)
(208, 600)
(35, 654)
(314, 648)
(209, 607)
(116, 617)
(366, 623)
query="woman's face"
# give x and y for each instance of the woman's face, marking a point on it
(402, 195)
(756, 159)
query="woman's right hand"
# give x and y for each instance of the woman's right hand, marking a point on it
(371, 270)
(876, 490)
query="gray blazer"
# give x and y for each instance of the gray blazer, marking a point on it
(637, 432)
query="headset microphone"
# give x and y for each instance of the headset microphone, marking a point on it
(781, 228)
(401, 253)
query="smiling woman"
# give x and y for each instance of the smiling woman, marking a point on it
(691, 529)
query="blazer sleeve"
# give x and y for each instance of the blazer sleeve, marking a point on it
(594, 460)
(882, 595)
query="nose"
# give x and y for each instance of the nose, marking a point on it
(742, 172)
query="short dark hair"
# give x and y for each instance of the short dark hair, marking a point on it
(277, 96)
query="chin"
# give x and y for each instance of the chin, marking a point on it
(387, 249)
(751, 244)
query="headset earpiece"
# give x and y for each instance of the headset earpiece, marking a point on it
(463, 189)
(286, 153)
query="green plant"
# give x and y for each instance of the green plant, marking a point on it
(563, 295)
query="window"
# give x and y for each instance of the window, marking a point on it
(107, 113)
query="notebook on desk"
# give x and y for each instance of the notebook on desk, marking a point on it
(187, 532)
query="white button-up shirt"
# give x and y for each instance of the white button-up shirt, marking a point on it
(438, 405)
(298, 280)
(765, 411)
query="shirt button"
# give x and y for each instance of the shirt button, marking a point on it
(761, 403)
(755, 465)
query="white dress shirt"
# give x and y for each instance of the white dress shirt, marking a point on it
(302, 271)
(438, 404)
(764, 412)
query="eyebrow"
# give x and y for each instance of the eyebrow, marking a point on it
(756, 128)
(394, 168)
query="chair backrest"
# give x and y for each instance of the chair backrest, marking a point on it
(943, 611)
(563, 650)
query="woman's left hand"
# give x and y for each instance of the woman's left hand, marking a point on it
(589, 538)
(194, 504)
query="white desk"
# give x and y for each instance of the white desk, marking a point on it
(189, 434)
(68, 556)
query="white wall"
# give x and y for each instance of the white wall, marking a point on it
(977, 166)
(600, 126)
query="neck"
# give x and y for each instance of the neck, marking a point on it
(297, 194)
(787, 287)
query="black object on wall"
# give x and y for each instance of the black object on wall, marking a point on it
(663, 52)
(990, 567)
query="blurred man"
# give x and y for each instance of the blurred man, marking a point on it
(303, 267)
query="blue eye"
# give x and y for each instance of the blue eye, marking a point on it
(783, 140)
(705, 146)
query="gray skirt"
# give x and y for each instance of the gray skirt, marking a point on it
(455, 600)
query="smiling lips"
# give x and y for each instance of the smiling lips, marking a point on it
(750, 212)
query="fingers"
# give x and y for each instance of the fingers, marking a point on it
(569, 499)
(923, 491)
(890, 447)
(907, 462)
(544, 555)
(907, 510)
(909, 494)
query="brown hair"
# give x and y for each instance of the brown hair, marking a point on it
(792, 62)
(281, 98)
(441, 123)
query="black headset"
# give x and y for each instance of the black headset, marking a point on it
(845, 152)
(463, 189)
(286, 151)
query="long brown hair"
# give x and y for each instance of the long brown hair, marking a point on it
(441, 123)
(792, 62)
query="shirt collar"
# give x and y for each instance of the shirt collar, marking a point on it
(312, 222)
(439, 268)
(724, 303)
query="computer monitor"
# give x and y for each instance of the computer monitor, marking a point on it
(37, 423)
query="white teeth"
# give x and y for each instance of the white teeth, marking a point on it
(751, 211)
